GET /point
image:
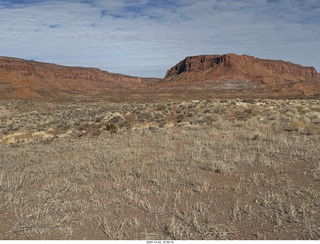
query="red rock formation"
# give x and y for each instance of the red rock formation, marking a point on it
(18, 76)
(22, 79)
(272, 75)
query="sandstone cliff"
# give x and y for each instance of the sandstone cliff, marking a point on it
(247, 72)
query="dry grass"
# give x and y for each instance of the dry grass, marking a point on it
(233, 170)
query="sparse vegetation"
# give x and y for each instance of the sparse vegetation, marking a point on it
(235, 169)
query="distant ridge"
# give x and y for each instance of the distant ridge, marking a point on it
(212, 74)
(28, 79)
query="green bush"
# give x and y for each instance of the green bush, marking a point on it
(111, 127)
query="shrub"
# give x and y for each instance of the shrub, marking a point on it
(314, 115)
(256, 137)
(161, 107)
(115, 119)
(123, 123)
(111, 127)
(219, 110)
(315, 109)
(249, 100)
(162, 124)
(144, 116)
(313, 129)
(295, 126)
(248, 110)
(83, 126)
(180, 116)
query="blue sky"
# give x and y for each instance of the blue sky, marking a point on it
(145, 38)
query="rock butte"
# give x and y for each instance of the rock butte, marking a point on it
(245, 71)
(28, 79)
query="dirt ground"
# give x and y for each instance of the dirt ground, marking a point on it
(160, 169)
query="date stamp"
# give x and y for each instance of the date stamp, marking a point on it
(160, 242)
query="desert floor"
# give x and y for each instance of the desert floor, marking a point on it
(193, 169)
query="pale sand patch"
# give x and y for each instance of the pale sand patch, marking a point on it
(26, 136)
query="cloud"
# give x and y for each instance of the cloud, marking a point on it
(145, 38)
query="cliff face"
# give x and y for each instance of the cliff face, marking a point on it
(233, 61)
(30, 78)
(274, 75)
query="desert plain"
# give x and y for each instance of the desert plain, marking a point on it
(205, 169)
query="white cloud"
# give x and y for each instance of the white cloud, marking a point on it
(146, 38)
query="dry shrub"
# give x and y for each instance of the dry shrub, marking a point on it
(295, 126)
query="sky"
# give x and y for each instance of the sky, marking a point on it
(147, 37)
